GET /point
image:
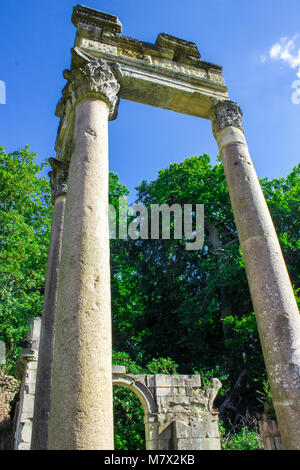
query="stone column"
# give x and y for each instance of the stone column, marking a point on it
(81, 397)
(273, 300)
(58, 178)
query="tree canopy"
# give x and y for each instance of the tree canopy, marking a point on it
(25, 220)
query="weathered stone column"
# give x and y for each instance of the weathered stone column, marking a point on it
(273, 300)
(58, 178)
(81, 398)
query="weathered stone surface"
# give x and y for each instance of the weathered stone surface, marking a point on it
(270, 434)
(271, 291)
(118, 369)
(211, 444)
(9, 386)
(46, 349)
(91, 77)
(81, 396)
(105, 22)
(58, 178)
(190, 444)
(26, 370)
(226, 114)
(174, 420)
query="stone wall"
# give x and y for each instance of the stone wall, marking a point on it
(270, 435)
(179, 413)
(9, 386)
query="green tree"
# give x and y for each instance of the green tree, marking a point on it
(25, 218)
(194, 306)
(283, 198)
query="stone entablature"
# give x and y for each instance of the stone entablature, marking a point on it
(169, 74)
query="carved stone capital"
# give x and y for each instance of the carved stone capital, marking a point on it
(225, 114)
(58, 178)
(91, 77)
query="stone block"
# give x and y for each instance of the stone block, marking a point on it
(165, 444)
(211, 428)
(151, 431)
(195, 380)
(152, 444)
(30, 389)
(150, 419)
(30, 375)
(118, 369)
(163, 380)
(179, 400)
(165, 431)
(28, 404)
(24, 446)
(181, 430)
(150, 381)
(211, 443)
(163, 392)
(25, 431)
(197, 428)
(190, 444)
(172, 403)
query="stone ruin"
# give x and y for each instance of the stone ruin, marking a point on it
(178, 410)
(72, 411)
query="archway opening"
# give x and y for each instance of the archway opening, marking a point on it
(129, 429)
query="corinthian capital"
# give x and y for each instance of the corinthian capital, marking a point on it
(58, 178)
(91, 77)
(226, 114)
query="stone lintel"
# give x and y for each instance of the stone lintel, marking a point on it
(168, 74)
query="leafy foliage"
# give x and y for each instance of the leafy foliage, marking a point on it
(242, 440)
(25, 219)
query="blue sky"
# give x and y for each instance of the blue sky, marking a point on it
(238, 34)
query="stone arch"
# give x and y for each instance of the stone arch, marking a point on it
(149, 406)
(137, 387)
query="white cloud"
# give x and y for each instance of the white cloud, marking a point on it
(286, 51)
